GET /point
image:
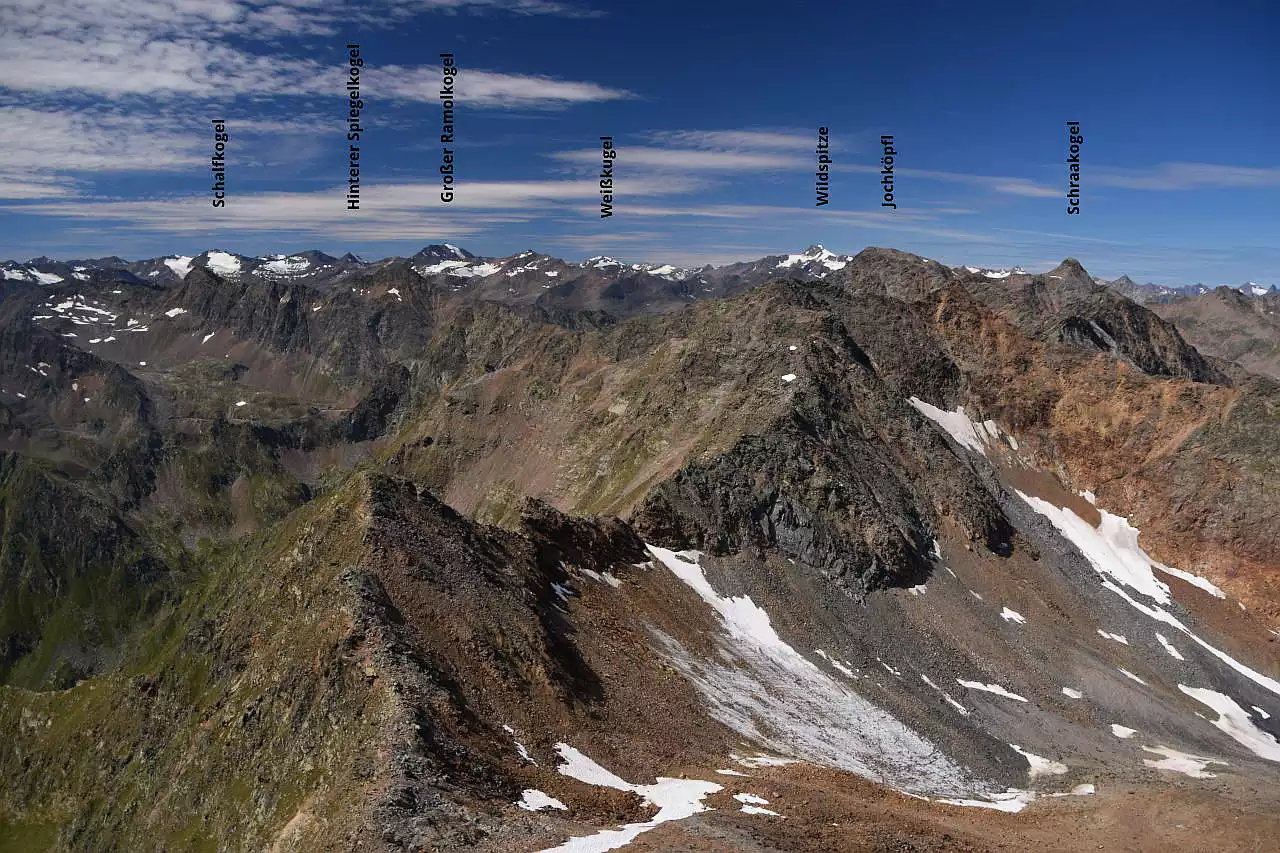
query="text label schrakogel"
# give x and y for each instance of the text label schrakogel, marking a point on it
(607, 155)
(1073, 163)
(219, 162)
(886, 171)
(354, 105)
(449, 73)
(824, 168)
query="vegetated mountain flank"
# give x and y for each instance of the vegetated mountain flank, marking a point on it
(443, 553)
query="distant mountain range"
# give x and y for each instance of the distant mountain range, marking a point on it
(1156, 293)
(525, 276)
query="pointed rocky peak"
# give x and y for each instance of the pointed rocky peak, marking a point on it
(443, 252)
(1071, 274)
(352, 258)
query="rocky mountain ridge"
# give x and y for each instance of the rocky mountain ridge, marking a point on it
(398, 558)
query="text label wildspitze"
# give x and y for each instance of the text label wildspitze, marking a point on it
(824, 168)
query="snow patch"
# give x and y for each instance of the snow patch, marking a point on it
(1039, 765)
(945, 695)
(532, 800)
(1013, 616)
(1169, 647)
(1112, 548)
(758, 810)
(766, 691)
(788, 377)
(1122, 732)
(223, 264)
(676, 799)
(1012, 801)
(1181, 762)
(174, 312)
(1119, 638)
(284, 266)
(179, 264)
(1235, 722)
(1127, 674)
(990, 688)
(839, 665)
(967, 433)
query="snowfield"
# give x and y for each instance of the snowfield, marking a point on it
(771, 694)
(675, 798)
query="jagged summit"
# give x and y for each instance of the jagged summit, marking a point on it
(443, 252)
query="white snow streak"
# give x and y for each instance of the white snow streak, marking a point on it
(991, 688)
(1013, 616)
(1168, 646)
(532, 800)
(1039, 765)
(967, 433)
(1235, 721)
(1133, 569)
(675, 798)
(1181, 762)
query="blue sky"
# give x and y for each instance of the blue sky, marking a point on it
(105, 133)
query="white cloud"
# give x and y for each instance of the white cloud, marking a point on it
(78, 141)
(167, 48)
(736, 140)
(407, 211)
(1187, 176)
(489, 88)
(686, 159)
(1008, 186)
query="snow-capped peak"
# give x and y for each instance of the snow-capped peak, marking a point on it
(814, 254)
(600, 262)
(996, 273)
(1254, 289)
(180, 264)
(221, 263)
